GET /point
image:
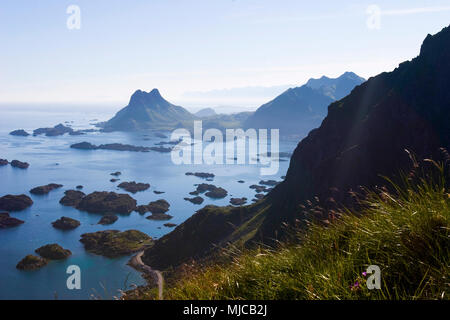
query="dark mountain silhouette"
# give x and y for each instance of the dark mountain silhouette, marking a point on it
(363, 138)
(148, 110)
(299, 110)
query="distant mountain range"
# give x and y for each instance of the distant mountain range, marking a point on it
(296, 111)
(336, 88)
(362, 139)
(299, 110)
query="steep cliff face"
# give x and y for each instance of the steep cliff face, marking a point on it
(363, 138)
(365, 134)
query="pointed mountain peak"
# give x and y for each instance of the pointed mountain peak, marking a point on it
(155, 93)
(351, 75)
(145, 98)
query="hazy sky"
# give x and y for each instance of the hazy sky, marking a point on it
(199, 45)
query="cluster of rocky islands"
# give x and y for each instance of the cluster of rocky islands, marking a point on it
(14, 163)
(57, 130)
(119, 147)
(110, 243)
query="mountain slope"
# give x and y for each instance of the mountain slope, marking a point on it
(363, 138)
(148, 110)
(206, 112)
(336, 88)
(298, 110)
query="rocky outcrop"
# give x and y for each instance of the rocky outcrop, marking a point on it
(108, 219)
(195, 200)
(41, 190)
(269, 182)
(72, 198)
(65, 223)
(238, 201)
(15, 203)
(116, 174)
(211, 191)
(53, 252)
(204, 175)
(170, 225)
(20, 164)
(31, 262)
(8, 222)
(57, 130)
(3, 162)
(20, 133)
(107, 202)
(110, 146)
(133, 186)
(113, 243)
(258, 188)
(159, 216)
(155, 207)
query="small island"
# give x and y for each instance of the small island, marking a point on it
(31, 262)
(108, 219)
(133, 186)
(195, 200)
(238, 201)
(65, 223)
(72, 198)
(53, 252)
(107, 202)
(19, 133)
(15, 203)
(41, 190)
(203, 175)
(20, 164)
(113, 243)
(211, 191)
(155, 207)
(6, 221)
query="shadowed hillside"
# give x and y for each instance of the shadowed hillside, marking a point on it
(363, 138)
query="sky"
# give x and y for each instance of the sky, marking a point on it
(185, 46)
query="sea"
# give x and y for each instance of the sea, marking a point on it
(53, 161)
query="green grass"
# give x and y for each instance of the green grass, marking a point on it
(404, 231)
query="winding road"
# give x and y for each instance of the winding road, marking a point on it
(136, 261)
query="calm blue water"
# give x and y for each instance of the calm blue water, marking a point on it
(52, 161)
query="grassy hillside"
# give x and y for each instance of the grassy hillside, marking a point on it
(404, 231)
